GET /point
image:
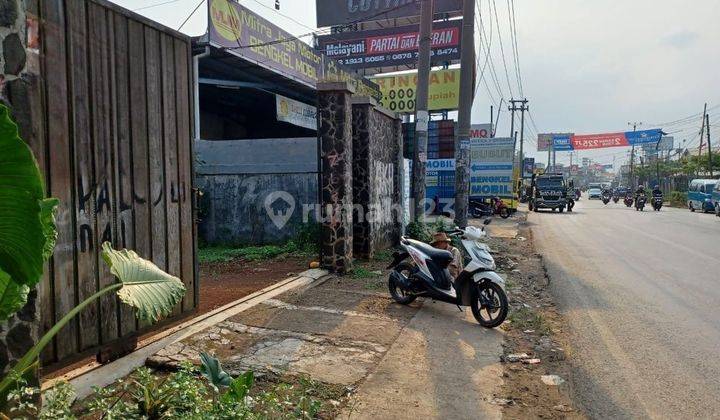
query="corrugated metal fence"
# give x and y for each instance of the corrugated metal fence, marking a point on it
(115, 145)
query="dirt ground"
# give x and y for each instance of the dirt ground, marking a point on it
(534, 341)
(222, 283)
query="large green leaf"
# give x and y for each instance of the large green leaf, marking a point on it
(27, 228)
(12, 295)
(147, 288)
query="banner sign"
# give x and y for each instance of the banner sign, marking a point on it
(246, 35)
(343, 12)
(480, 131)
(567, 142)
(491, 167)
(398, 91)
(394, 46)
(296, 112)
(528, 167)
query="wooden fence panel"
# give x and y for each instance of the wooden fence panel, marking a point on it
(82, 135)
(125, 221)
(117, 135)
(61, 290)
(100, 76)
(183, 100)
(170, 139)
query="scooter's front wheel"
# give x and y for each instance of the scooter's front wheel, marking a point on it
(489, 304)
(400, 294)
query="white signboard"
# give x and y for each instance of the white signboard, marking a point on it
(491, 167)
(296, 112)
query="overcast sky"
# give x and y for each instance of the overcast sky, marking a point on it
(586, 66)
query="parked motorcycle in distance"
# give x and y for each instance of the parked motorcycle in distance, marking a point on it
(426, 274)
(640, 202)
(478, 209)
(657, 203)
(616, 199)
(628, 200)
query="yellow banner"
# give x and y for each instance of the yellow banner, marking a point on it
(399, 90)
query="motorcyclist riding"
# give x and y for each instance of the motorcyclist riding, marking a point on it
(657, 192)
(639, 191)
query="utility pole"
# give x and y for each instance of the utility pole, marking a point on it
(710, 159)
(422, 117)
(462, 141)
(632, 156)
(512, 108)
(702, 129)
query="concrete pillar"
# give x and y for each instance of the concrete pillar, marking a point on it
(336, 154)
(19, 90)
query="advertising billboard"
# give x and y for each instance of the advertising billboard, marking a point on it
(398, 91)
(255, 39)
(568, 141)
(343, 12)
(628, 138)
(666, 143)
(491, 167)
(559, 141)
(244, 34)
(394, 46)
(528, 167)
(480, 131)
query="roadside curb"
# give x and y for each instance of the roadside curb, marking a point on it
(94, 374)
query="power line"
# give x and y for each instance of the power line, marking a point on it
(513, 39)
(155, 5)
(502, 50)
(191, 14)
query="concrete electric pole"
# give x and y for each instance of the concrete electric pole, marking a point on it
(523, 107)
(632, 156)
(462, 141)
(422, 117)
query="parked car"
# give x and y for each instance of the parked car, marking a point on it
(716, 199)
(594, 194)
(700, 195)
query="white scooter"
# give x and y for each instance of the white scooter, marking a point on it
(427, 275)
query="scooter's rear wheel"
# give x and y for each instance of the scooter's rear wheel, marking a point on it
(398, 293)
(489, 304)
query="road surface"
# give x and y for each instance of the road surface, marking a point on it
(641, 294)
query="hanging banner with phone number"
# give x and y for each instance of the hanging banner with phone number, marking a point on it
(398, 91)
(567, 142)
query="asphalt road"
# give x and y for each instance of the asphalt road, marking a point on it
(641, 294)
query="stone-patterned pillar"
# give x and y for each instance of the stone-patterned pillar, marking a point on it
(335, 133)
(375, 177)
(398, 181)
(361, 119)
(19, 90)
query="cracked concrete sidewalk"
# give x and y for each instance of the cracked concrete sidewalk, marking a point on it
(427, 359)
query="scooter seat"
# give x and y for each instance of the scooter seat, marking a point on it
(440, 256)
